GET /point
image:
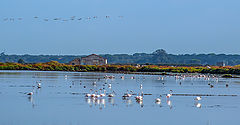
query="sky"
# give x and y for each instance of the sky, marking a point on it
(177, 26)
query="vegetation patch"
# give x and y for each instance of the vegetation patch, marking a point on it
(56, 66)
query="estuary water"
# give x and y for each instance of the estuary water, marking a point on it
(61, 99)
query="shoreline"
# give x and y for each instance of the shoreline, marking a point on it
(135, 73)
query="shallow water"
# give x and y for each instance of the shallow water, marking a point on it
(61, 100)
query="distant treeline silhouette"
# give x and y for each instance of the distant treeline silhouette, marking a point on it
(159, 57)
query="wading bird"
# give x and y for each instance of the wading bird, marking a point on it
(198, 98)
(158, 99)
(169, 94)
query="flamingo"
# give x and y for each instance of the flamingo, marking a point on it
(158, 99)
(169, 94)
(103, 94)
(65, 76)
(198, 105)
(39, 85)
(30, 93)
(198, 98)
(139, 98)
(97, 96)
(127, 95)
(110, 86)
(111, 94)
(88, 94)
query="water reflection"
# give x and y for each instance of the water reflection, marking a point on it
(54, 87)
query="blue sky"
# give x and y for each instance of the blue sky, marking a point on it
(178, 26)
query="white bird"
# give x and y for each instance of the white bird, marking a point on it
(39, 85)
(65, 76)
(127, 95)
(87, 95)
(169, 94)
(198, 105)
(97, 96)
(198, 98)
(94, 83)
(158, 99)
(111, 94)
(141, 86)
(139, 98)
(109, 85)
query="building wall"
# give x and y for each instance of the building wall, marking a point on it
(220, 64)
(93, 60)
(89, 60)
(76, 61)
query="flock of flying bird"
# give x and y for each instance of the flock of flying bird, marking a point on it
(62, 19)
(101, 93)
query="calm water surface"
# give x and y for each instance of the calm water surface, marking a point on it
(61, 100)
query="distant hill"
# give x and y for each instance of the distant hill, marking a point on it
(158, 57)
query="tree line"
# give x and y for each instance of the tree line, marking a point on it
(158, 57)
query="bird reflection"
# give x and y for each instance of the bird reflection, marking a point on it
(128, 102)
(89, 102)
(30, 99)
(169, 103)
(198, 105)
(96, 102)
(111, 101)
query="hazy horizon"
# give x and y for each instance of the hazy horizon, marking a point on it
(179, 27)
(117, 53)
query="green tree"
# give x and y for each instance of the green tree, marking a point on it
(21, 61)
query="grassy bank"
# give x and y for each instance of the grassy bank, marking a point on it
(55, 66)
